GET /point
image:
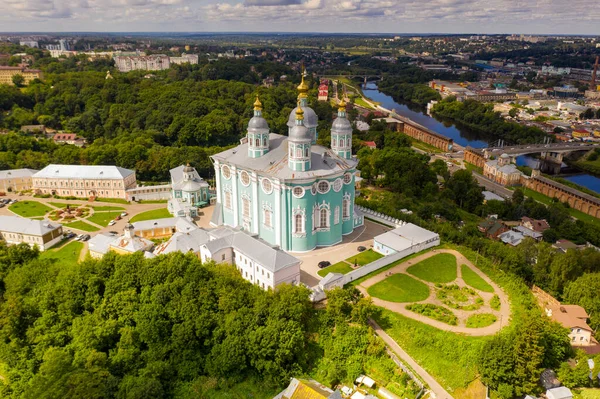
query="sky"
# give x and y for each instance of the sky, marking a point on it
(331, 16)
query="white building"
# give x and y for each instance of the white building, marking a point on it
(40, 233)
(157, 62)
(185, 59)
(407, 237)
(125, 244)
(104, 181)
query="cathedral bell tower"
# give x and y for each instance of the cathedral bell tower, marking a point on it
(341, 133)
(299, 144)
(258, 133)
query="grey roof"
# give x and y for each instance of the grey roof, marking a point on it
(528, 232)
(100, 243)
(559, 393)
(19, 225)
(179, 223)
(488, 196)
(405, 236)
(84, 172)
(258, 123)
(177, 177)
(273, 259)
(310, 117)
(324, 162)
(330, 277)
(341, 124)
(184, 242)
(16, 173)
(511, 237)
(300, 133)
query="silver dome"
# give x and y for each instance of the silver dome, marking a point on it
(300, 133)
(310, 117)
(258, 122)
(341, 124)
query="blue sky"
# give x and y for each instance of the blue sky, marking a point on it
(401, 16)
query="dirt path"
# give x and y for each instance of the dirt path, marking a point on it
(503, 316)
(434, 386)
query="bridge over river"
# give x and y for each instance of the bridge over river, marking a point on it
(552, 152)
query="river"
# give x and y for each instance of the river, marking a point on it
(466, 137)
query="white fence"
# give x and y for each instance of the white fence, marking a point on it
(380, 217)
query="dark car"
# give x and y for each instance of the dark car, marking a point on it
(69, 235)
(86, 237)
(324, 263)
(361, 248)
(114, 233)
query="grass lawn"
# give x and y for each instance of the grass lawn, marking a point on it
(62, 205)
(481, 320)
(29, 209)
(440, 268)
(107, 208)
(365, 257)
(586, 393)
(153, 201)
(113, 200)
(340, 267)
(153, 214)
(474, 280)
(399, 288)
(362, 103)
(68, 254)
(102, 218)
(80, 225)
(424, 146)
(435, 312)
(472, 168)
(450, 358)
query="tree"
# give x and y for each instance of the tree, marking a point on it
(578, 376)
(513, 112)
(18, 80)
(584, 292)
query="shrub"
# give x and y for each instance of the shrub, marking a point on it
(495, 302)
(436, 312)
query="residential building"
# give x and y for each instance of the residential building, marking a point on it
(573, 317)
(288, 190)
(84, 181)
(371, 144)
(7, 73)
(29, 43)
(16, 180)
(155, 62)
(189, 192)
(41, 233)
(184, 59)
(502, 171)
(161, 228)
(534, 224)
(68, 138)
(307, 389)
(511, 237)
(492, 227)
(406, 237)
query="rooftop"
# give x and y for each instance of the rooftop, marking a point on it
(15, 224)
(84, 172)
(16, 173)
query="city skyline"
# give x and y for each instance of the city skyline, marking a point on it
(309, 16)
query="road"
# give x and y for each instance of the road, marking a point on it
(492, 186)
(434, 386)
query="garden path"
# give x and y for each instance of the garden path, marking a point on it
(503, 314)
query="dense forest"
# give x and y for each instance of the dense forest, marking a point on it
(170, 327)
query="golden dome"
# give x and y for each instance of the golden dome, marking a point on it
(257, 104)
(302, 87)
(299, 112)
(342, 105)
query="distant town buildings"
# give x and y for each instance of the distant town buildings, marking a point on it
(502, 171)
(8, 72)
(157, 62)
(84, 181)
(184, 59)
(29, 43)
(40, 233)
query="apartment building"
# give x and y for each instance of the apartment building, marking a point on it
(16, 180)
(40, 233)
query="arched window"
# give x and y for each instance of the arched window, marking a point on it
(306, 152)
(334, 142)
(298, 152)
(257, 142)
(227, 199)
(323, 218)
(346, 208)
(264, 140)
(245, 208)
(342, 143)
(298, 223)
(291, 151)
(268, 218)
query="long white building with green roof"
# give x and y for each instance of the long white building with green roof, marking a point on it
(288, 190)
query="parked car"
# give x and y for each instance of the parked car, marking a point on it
(86, 237)
(114, 233)
(361, 248)
(112, 223)
(124, 214)
(118, 217)
(2, 204)
(324, 263)
(79, 237)
(69, 235)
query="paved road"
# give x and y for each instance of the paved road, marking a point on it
(434, 386)
(492, 186)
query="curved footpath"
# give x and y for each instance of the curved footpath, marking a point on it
(400, 308)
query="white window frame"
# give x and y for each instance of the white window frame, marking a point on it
(336, 215)
(268, 217)
(228, 200)
(323, 191)
(246, 206)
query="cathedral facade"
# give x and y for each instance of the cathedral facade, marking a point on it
(288, 190)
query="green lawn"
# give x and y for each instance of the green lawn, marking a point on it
(474, 280)
(81, 225)
(586, 393)
(62, 205)
(113, 200)
(365, 257)
(472, 168)
(152, 201)
(107, 208)
(399, 288)
(450, 358)
(102, 218)
(153, 214)
(440, 268)
(435, 312)
(424, 146)
(29, 209)
(340, 267)
(481, 320)
(68, 254)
